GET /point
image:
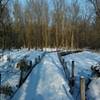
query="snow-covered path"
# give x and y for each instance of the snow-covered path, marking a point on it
(46, 82)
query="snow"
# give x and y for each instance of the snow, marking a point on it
(9, 73)
(94, 90)
(46, 81)
(83, 62)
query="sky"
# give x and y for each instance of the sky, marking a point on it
(82, 2)
(84, 7)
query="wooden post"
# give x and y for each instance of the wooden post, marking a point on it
(30, 63)
(39, 58)
(82, 88)
(73, 66)
(72, 79)
(0, 79)
(0, 84)
(36, 61)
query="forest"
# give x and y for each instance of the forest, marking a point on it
(69, 24)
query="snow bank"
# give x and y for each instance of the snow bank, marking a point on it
(83, 62)
(9, 73)
(94, 90)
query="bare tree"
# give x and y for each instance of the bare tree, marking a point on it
(4, 17)
(96, 5)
